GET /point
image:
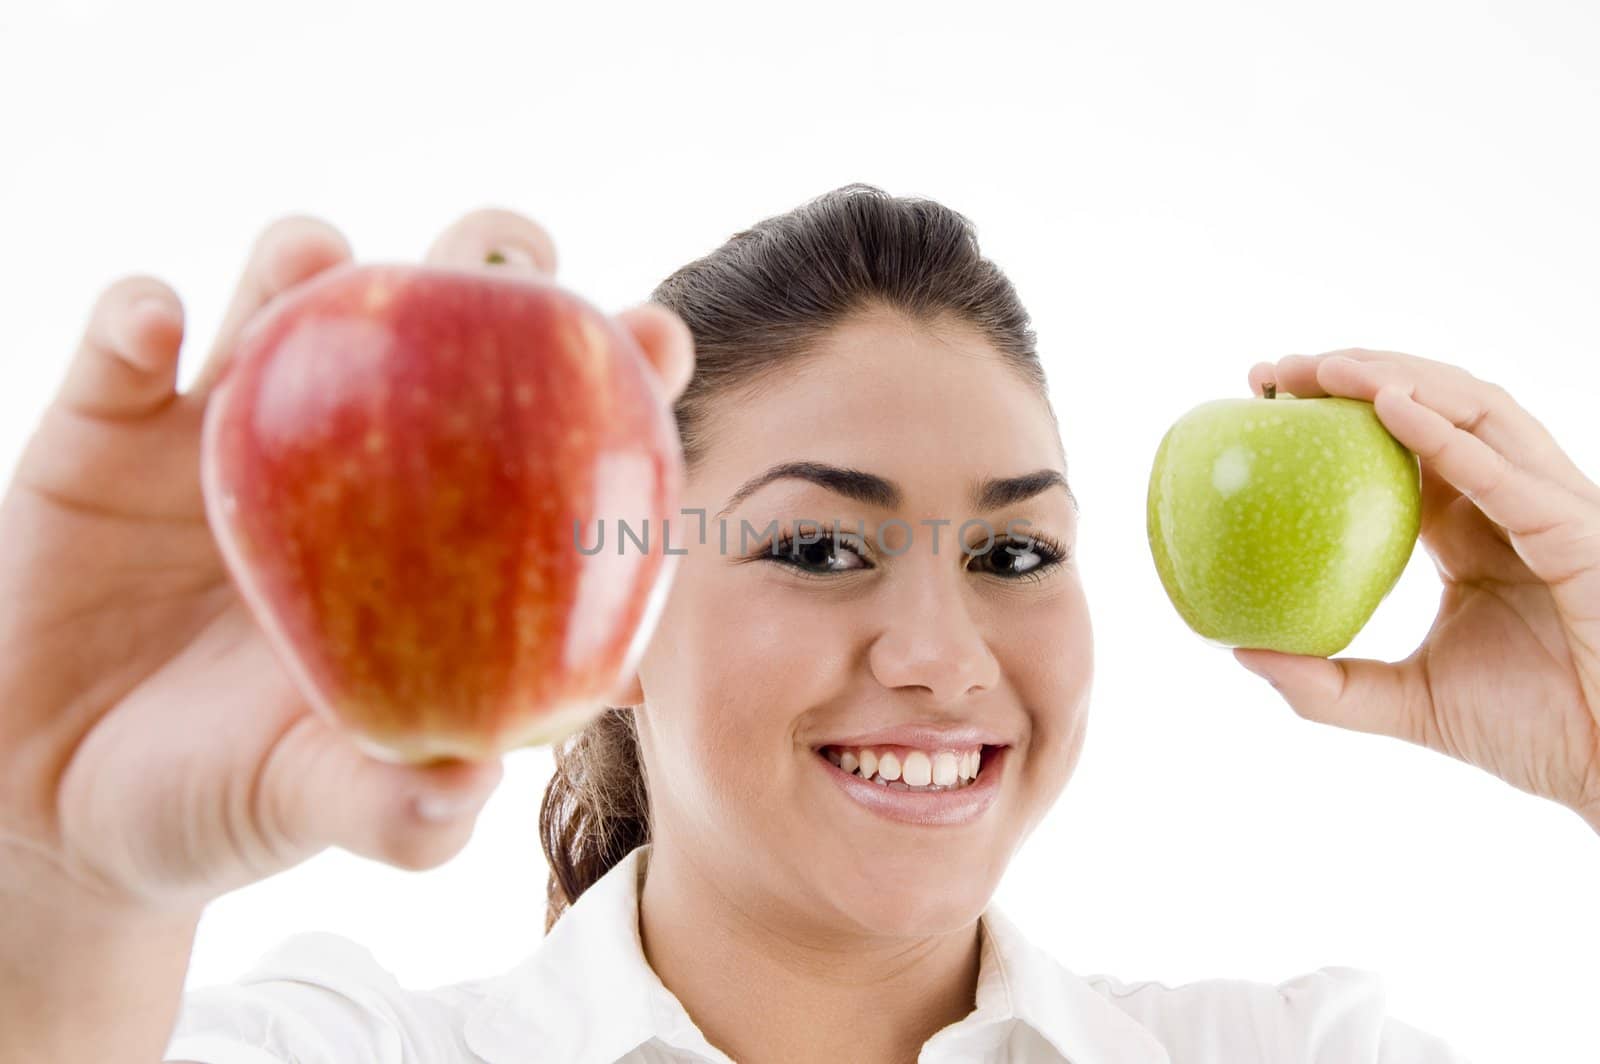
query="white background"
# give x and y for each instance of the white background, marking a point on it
(1178, 190)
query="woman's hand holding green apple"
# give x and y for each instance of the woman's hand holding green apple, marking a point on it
(1508, 678)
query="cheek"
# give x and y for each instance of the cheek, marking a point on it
(1048, 644)
(732, 671)
(768, 666)
(730, 709)
(1049, 657)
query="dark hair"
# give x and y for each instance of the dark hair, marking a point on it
(755, 305)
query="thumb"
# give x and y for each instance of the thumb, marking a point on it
(1358, 694)
(411, 816)
(126, 363)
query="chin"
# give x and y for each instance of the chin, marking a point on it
(884, 903)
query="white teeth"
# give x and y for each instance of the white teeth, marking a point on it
(918, 771)
(921, 770)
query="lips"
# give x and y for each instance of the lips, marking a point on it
(924, 736)
(950, 808)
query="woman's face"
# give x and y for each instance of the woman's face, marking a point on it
(755, 664)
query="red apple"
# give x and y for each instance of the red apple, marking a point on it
(401, 466)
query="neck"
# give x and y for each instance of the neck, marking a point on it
(765, 991)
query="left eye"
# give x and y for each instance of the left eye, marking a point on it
(1015, 558)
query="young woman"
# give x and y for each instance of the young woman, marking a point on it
(726, 882)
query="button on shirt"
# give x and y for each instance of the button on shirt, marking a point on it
(586, 995)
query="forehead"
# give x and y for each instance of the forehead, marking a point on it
(932, 408)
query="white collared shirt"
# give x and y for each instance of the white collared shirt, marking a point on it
(587, 995)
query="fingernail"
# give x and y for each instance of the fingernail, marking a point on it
(439, 808)
(148, 305)
(127, 330)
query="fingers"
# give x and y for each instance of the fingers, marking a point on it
(1464, 543)
(410, 816)
(666, 341)
(439, 809)
(496, 238)
(288, 252)
(1473, 437)
(1262, 374)
(126, 363)
(1473, 405)
(1359, 694)
(1549, 525)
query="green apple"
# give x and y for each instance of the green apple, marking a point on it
(1281, 522)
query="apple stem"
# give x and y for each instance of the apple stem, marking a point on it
(1269, 390)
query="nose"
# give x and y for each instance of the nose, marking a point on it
(931, 641)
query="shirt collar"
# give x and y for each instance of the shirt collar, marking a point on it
(587, 995)
(1018, 980)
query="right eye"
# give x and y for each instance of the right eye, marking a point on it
(810, 553)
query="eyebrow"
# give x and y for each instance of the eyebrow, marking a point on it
(873, 490)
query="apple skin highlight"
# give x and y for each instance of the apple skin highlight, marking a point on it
(1281, 523)
(393, 466)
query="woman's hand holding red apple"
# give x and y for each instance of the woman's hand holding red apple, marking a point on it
(153, 752)
(1508, 679)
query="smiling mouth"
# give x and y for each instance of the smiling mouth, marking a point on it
(963, 802)
(917, 771)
